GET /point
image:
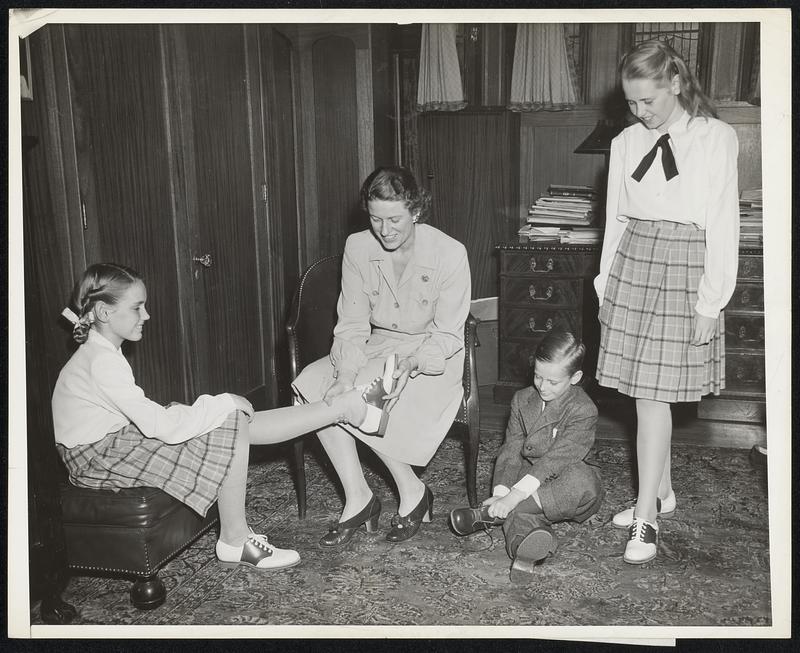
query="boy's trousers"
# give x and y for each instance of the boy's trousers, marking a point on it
(573, 494)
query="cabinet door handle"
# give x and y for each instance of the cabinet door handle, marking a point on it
(548, 294)
(548, 267)
(742, 333)
(548, 325)
(204, 260)
(83, 216)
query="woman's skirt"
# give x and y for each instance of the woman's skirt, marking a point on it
(190, 471)
(424, 411)
(647, 317)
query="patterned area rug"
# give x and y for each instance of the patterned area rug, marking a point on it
(712, 566)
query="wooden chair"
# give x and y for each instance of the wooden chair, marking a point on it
(310, 329)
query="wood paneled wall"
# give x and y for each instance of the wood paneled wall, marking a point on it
(547, 144)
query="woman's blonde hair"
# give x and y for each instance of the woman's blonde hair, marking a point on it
(657, 60)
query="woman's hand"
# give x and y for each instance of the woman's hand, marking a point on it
(403, 370)
(339, 387)
(502, 506)
(245, 406)
(704, 328)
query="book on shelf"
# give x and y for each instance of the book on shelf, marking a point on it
(569, 190)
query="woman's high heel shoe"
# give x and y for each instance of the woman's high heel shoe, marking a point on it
(405, 527)
(343, 531)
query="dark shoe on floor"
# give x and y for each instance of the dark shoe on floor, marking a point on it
(342, 532)
(406, 527)
(377, 417)
(537, 545)
(468, 520)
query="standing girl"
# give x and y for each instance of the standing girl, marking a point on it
(110, 435)
(668, 266)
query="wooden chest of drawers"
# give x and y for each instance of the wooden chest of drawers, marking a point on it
(543, 287)
(744, 397)
(546, 286)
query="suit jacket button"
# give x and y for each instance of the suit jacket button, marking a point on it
(394, 326)
(396, 305)
(425, 277)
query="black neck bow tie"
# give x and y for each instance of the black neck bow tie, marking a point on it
(667, 160)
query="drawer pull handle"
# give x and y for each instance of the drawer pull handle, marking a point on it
(743, 335)
(744, 298)
(548, 325)
(547, 295)
(747, 266)
(548, 266)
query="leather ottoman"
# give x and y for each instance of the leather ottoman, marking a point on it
(133, 532)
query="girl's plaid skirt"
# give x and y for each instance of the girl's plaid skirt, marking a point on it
(647, 317)
(190, 471)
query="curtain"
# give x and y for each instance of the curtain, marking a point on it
(439, 86)
(542, 77)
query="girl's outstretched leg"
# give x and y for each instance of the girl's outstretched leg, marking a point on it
(282, 424)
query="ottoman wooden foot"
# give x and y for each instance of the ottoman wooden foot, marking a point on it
(148, 593)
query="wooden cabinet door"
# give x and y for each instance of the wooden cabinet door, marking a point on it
(121, 155)
(281, 267)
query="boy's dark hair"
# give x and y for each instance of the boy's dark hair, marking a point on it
(561, 347)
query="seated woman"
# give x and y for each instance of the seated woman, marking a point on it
(405, 292)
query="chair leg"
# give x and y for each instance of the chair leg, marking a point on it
(148, 593)
(300, 478)
(473, 443)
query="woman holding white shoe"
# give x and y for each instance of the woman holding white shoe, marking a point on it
(404, 299)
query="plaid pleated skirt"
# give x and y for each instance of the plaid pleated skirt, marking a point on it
(647, 317)
(190, 471)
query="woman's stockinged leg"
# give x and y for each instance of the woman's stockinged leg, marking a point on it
(409, 487)
(231, 498)
(653, 436)
(341, 449)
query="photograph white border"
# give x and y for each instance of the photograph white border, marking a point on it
(776, 160)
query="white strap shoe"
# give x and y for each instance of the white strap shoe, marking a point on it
(377, 417)
(665, 508)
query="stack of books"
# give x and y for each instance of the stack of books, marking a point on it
(750, 218)
(565, 215)
(572, 235)
(564, 205)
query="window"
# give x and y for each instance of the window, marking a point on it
(683, 37)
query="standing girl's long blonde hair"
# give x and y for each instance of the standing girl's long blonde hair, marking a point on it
(657, 61)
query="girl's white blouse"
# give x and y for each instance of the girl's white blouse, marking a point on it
(96, 394)
(704, 193)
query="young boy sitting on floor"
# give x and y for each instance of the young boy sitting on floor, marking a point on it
(540, 476)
